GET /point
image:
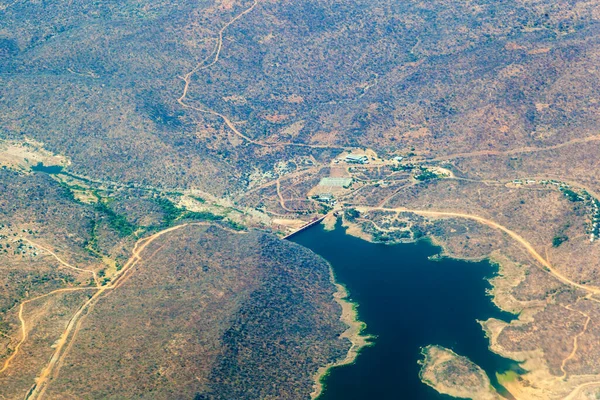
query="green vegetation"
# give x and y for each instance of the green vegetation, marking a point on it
(171, 211)
(558, 240)
(198, 199)
(351, 214)
(116, 221)
(426, 175)
(67, 193)
(403, 167)
(571, 195)
(508, 376)
(417, 232)
(325, 208)
(92, 244)
(379, 236)
(202, 216)
(391, 236)
(236, 226)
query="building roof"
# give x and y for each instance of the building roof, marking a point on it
(336, 182)
(356, 157)
(325, 196)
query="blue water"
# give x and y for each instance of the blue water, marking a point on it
(408, 301)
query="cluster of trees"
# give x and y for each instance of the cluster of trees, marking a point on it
(558, 240)
(426, 175)
(351, 214)
(571, 195)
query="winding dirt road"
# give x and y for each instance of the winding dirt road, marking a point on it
(23, 322)
(280, 196)
(63, 262)
(24, 328)
(591, 290)
(214, 55)
(38, 389)
(575, 342)
(519, 150)
(202, 65)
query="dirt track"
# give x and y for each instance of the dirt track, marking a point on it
(38, 389)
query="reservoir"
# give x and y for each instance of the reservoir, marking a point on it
(408, 301)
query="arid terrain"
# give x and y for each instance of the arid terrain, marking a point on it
(451, 374)
(153, 154)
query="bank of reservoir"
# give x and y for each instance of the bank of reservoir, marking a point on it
(408, 301)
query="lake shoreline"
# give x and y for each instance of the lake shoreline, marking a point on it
(354, 333)
(350, 317)
(454, 375)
